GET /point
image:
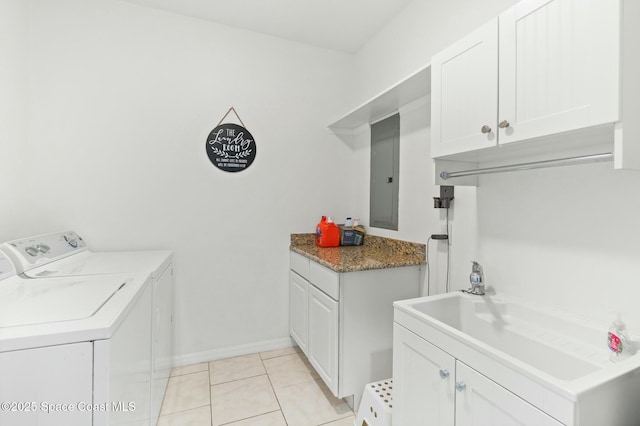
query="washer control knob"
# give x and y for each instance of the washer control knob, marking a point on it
(71, 241)
(32, 251)
(43, 248)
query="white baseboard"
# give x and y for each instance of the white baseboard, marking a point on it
(215, 354)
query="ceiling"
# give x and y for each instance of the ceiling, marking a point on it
(344, 25)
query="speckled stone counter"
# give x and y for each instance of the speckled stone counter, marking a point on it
(375, 253)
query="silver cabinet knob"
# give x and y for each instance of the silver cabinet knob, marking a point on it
(460, 386)
(485, 129)
(444, 374)
(503, 124)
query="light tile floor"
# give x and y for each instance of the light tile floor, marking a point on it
(266, 389)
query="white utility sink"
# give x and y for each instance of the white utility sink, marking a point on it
(551, 343)
(534, 350)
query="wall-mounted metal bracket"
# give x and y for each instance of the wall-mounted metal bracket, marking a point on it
(444, 200)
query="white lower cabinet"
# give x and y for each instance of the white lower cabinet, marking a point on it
(423, 379)
(480, 401)
(343, 321)
(298, 309)
(323, 337)
(431, 387)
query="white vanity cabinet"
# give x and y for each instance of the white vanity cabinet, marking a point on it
(298, 309)
(480, 400)
(431, 387)
(342, 321)
(323, 336)
(423, 381)
(543, 67)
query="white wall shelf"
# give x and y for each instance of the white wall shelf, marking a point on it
(404, 92)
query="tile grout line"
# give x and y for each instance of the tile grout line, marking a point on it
(340, 418)
(208, 370)
(245, 378)
(210, 402)
(311, 379)
(180, 411)
(183, 411)
(248, 418)
(236, 380)
(273, 389)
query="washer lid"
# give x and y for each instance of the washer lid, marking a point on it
(97, 263)
(29, 301)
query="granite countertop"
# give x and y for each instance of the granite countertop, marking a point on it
(375, 253)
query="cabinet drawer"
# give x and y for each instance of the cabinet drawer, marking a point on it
(325, 279)
(300, 264)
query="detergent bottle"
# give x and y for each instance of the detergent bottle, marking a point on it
(319, 229)
(327, 233)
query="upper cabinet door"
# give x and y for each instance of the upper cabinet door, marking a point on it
(559, 67)
(464, 93)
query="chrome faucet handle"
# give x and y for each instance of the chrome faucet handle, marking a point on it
(477, 279)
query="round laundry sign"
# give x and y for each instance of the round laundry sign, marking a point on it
(231, 147)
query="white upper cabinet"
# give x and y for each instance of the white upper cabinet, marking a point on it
(464, 93)
(559, 67)
(543, 67)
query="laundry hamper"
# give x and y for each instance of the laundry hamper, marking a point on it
(375, 407)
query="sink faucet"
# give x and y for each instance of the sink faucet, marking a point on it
(476, 278)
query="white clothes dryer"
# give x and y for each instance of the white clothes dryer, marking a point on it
(74, 350)
(65, 254)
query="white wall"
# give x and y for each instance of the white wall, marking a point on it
(407, 43)
(13, 118)
(404, 46)
(122, 101)
(417, 218)
(567, 236)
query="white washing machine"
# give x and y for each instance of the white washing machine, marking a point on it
(74, 350)
(65, 254)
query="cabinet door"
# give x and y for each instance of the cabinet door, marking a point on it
(559, 67)
(323, 337)
(464, 93)
(480, 401)
(298, 309)
(423, 379)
